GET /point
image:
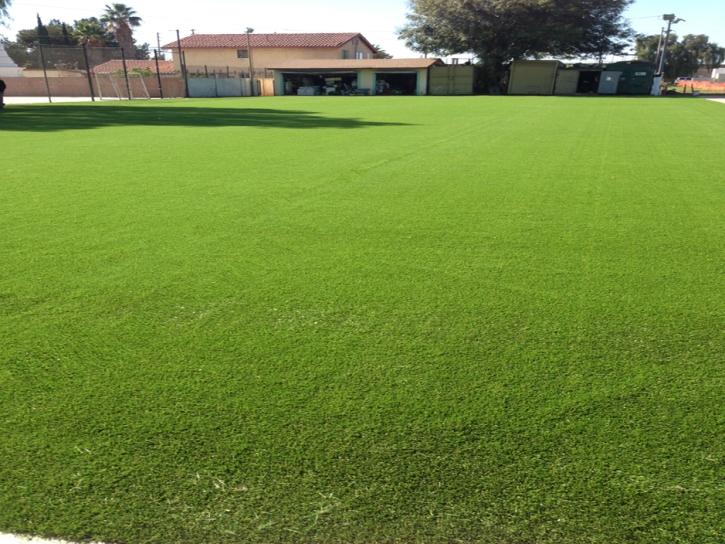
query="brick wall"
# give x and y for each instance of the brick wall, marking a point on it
(78, 86)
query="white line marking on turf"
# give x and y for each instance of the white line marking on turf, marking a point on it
(7, 538)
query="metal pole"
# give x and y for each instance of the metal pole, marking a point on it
(88, 73)
(669, 19)
(45, 73)
(100, 89)
(659, 47)
(158, 41)
(251, 66)
(125, 73)
(182, 65)
(158, 73)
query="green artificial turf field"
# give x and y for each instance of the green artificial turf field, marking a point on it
(339, 319)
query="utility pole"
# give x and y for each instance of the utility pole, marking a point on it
(158, 41)
(671, 20)
(251, 66)
(182, 64)
(659, 47)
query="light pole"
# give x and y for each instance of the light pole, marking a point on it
(251, 66)
(659, 47)
(671, 20)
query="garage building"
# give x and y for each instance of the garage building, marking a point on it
(353, 76)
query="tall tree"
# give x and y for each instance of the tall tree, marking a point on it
(497, 31)
(90, 33)
(684, 57)
(43, 35)
(121, 20)
(66, 34)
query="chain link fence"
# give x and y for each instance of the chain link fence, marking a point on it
(95, 73)
(105, 73)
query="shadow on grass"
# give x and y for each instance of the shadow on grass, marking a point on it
(86, 116)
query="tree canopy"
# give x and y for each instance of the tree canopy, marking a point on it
(497, 31)
(4, 5)
(684, 57)
(89, 31)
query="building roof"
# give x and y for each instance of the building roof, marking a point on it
(239, 41)
(355, 64)
(111, 66)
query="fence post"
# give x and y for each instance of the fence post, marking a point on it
(88, 73)
(45, 73)
(125, 73)
(158, 73)
(182, 64)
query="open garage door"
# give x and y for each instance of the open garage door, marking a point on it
(396, 83)
(320, 83)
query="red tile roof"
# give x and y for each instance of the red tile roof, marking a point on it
(239, 41)
(355, 64)
(111, 66)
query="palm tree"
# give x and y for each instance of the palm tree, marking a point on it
(89, 33)
(381, 53)
(121, 19)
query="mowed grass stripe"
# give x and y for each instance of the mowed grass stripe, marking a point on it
(405, 319)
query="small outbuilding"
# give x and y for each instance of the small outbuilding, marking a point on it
(635, 76)
(547, 77)
(533, 77)
(452, 79)
(311, 77)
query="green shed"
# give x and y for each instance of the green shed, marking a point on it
(636, 78)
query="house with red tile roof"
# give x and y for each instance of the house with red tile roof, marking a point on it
(206, 53)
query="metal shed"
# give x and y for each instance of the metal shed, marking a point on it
(534, 77)
(452, 79)
(567, 81)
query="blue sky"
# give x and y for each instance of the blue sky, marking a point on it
(376, 19)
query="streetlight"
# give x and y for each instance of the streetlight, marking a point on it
(251, 66)
(671, 20)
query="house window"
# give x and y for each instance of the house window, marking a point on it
(359, 55)
(345, 54)
(242, 54)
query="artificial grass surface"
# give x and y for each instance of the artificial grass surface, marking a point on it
(490, 319)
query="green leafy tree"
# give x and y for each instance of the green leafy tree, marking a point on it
(43, 34)
(142, 52)
(684, 57)
(120, 19)
(90, 33)
(4, 5)
(24, 50)
(497, 31)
